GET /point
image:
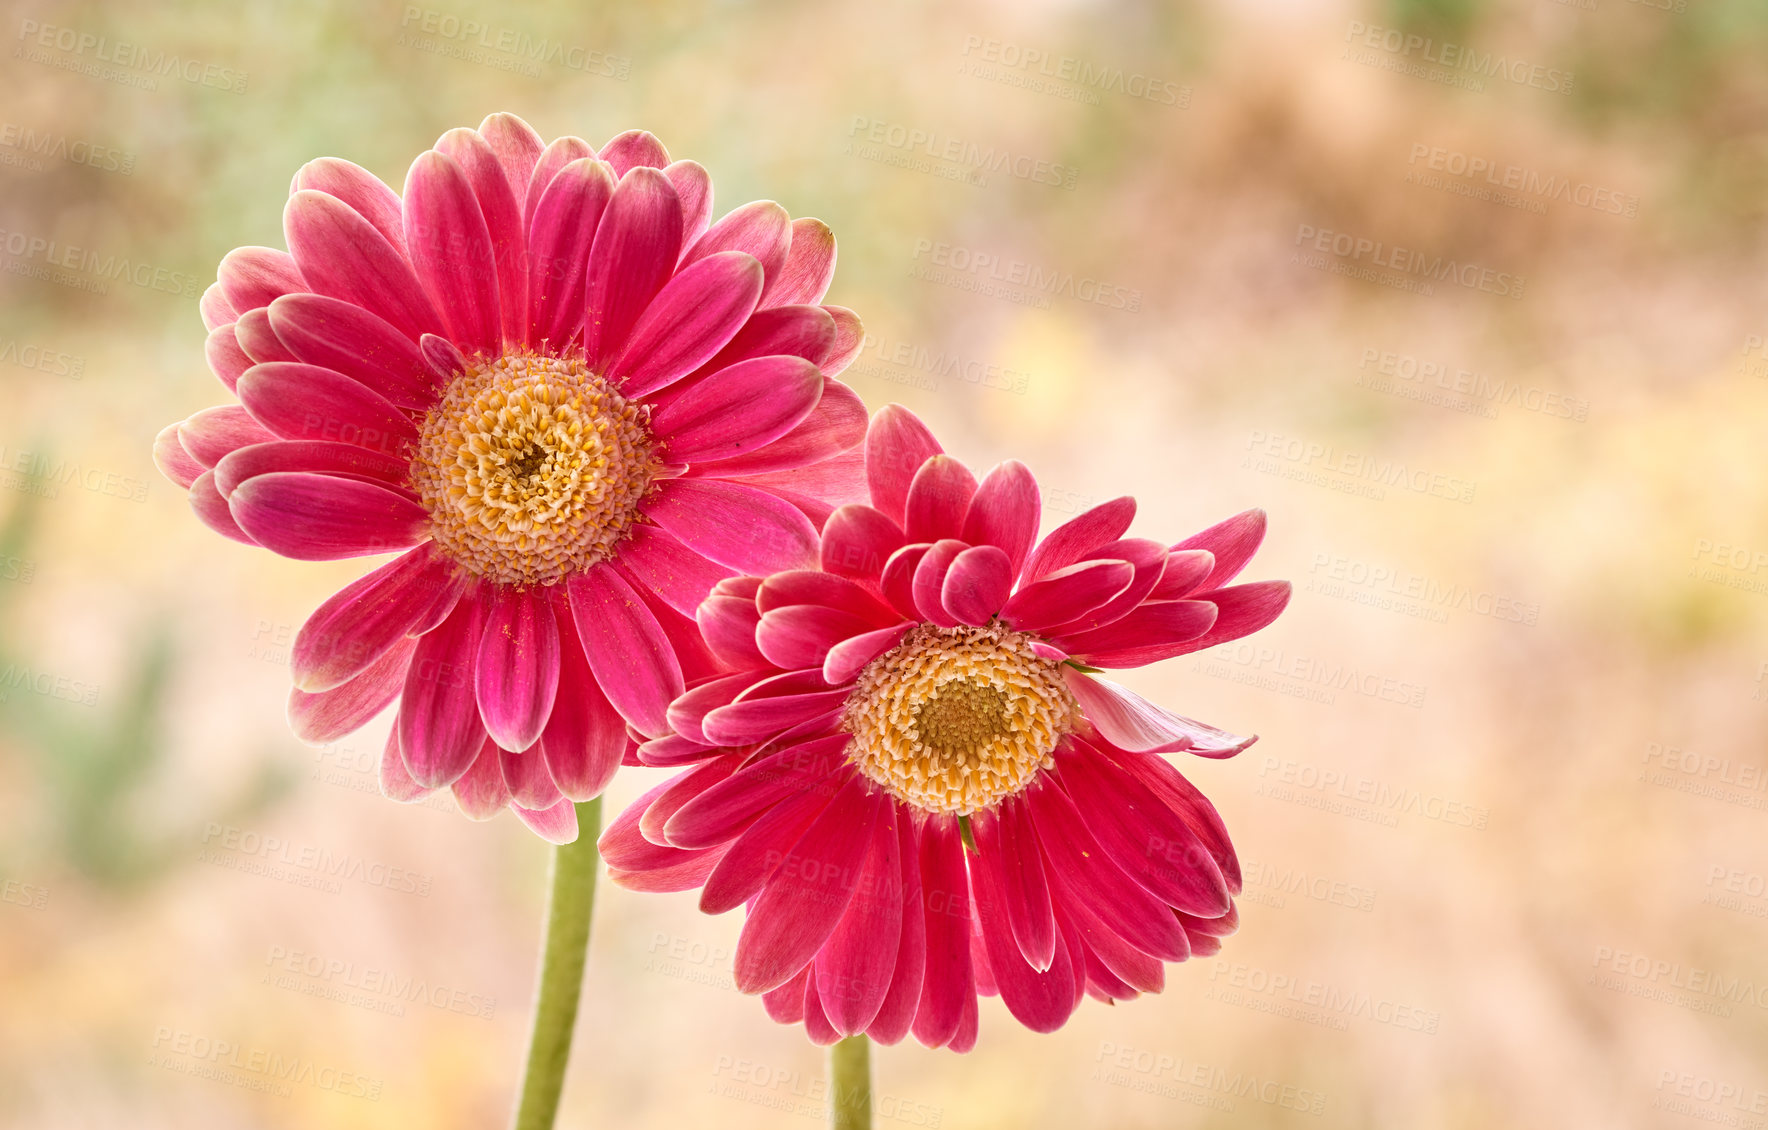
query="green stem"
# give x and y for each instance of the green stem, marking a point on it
(850, 1084)
(568, 907)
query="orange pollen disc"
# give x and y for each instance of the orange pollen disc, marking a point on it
(958, 719)
(532, 468)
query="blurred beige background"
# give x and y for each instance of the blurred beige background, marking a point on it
(1470, 297)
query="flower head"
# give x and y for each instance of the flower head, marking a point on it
(568, 399)
(914, 777)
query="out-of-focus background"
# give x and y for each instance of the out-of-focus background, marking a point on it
(1470, 297)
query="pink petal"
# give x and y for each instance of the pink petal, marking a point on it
(320, 518)
(1185, 570)
(251, 277)
(1240, 611)
(208, 505)
(517, 669)
(853, 967)
(897, 1012)
(1134, 969)
(755, 856)
(801, 488)
(739, 409)
(671, 752)
(657, 559)
(739, 526)
(977, 585)
(695, 314)
(444, 359)
(565, 218)
(555, 825)
(1183, 797)
(1147, 635)
(1006, 842)
(439, 727)
(1078, 537)
(1042, 1001)
(1129, 721)
(1004, 512)
(365, 618)
(724, 810)
(215, 308)
(323, 456)
(173, 461)
(896, 446)
(632, 659)
(396, 783)
(801, 636)
(213, 434)
(728, 625)
(1233, 543)
(530, 782)
(850, 338)
(801, 331)
(897, 582)
(947, 989)
(634, 253)
(804, 899)
(817, 1028)
(682, 790)
(451, 252)
(344, 337)
(481, 791)
(257, 339)
(623, 845)
(1150, 841)
(815, 447)
(637, 864)
(226, 359)
(501, 210)
(1149, 560)
(693, 185)
(517, 148)
(688, 712)
(761, 228)
(300, 401)
(341, 254)
(329, 715)
(928, 586)
(1067, 594)
(561, 152)
(365, 193)
(858, 540)
(808, 269)
(761, 719)
(785, 1005)
(633, 149)
(847, 658)
(584, 736)
(812, 586)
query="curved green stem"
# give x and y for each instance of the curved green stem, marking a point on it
(568, 907)
(850, 1084)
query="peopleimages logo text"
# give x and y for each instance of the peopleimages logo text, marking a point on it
(1437, 268)
(1458, 57)
(1031, 276)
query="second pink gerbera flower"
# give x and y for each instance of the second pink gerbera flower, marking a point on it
(915, 779)
(575, 402)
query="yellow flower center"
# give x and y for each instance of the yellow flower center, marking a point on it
(532, 468)
(958, 719)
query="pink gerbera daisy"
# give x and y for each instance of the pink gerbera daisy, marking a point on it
(573, 403)
(916, 781)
